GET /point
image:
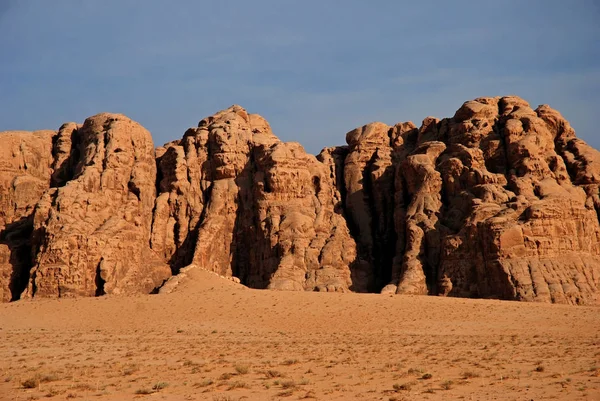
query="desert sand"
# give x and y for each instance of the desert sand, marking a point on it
(213, 339)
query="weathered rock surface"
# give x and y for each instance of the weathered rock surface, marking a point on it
(25, 174)
(92, 233)
(237, 201)
(499, 201)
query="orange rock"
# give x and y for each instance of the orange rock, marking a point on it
(499, 201)
(25, 174)
(238, 202)
(92, 234)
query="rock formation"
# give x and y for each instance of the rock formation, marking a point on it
(25, 174)
(499, 201)
(237, 201)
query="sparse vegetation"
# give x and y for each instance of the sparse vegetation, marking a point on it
(30, 383)
(226, 376)
(272, 373)
(469, 374)
(160, 385)
(288, 384)
(130, 369)
(403, 387)
(447, 385)
(204, 383)
(237, 384)
(242, 369)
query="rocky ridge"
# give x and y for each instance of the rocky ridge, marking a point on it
(499, 201)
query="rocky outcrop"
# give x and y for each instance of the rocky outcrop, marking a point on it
(499, 201)
(92, 227)
(237, 201)
(25, 174)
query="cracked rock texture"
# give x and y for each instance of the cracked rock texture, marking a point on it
(92, 227)
(499, 201)
(25, 174)
(237, 201)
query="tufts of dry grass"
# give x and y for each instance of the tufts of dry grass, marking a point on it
(242, 369)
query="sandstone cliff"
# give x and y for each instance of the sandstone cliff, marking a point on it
(25, 173)
(237, 201)
(499, 201)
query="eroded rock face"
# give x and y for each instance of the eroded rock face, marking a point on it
(25, 174)
(499, 201)
(92, 233)
(237, 201)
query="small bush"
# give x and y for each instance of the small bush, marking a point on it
(242, 369)
(469, 374)
(427, 376)
(238, 384)
(403, 387)
(286, 393)
(272, 373)
(447, 385)
(226, 376)
(130, 369)
(204, 383)
(160, 385)
(288, 384)
(30, 383)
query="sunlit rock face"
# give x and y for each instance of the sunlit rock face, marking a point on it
(498, 201)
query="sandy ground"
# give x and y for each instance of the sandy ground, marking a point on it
(213, 339)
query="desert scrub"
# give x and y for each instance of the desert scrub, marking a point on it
(403, 386)
(237, 384)
(130, 369)
(30, 383)
(447, 385)
(160, 385)
(242, 369)
(272, 373)
(204, 383)
(226, 376)
(288, 384)
(35, 381)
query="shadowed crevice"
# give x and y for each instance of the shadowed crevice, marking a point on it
(17, 236)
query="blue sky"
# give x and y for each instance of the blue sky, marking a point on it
(314, 69)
